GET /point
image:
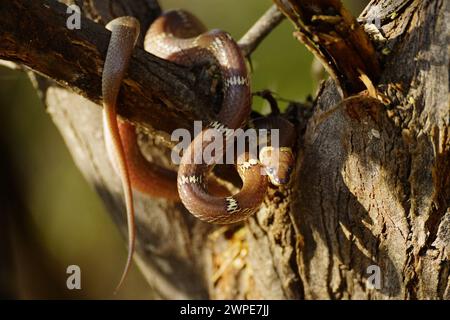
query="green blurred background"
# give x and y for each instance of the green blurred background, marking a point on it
(50, 218)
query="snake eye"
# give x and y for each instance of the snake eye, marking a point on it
(289, 170)
(270, 170)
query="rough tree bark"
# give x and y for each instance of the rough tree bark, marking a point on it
(372, 184)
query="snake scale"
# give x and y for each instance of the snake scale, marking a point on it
(180, 37)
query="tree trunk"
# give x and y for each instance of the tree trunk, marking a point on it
(371, 189)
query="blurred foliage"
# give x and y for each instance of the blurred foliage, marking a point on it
(65, 220)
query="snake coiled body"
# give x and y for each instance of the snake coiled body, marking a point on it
(179, 37)
(166, 39)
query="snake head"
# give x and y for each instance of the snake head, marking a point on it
(278, 164)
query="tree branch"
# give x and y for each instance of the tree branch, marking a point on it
(261, 29)
(74, 58)
(175, 95)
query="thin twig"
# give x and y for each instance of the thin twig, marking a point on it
(268, 21)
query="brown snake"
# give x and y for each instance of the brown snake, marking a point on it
(179, 37)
